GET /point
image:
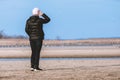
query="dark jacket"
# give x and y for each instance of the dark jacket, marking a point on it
(34, 26)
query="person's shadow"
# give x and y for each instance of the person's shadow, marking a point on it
(58, 69)
(80, 67)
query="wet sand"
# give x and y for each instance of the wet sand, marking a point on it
(96, 69)
(58, 52)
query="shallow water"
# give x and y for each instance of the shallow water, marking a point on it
(24, 59)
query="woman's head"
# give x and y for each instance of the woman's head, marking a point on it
(36, 11)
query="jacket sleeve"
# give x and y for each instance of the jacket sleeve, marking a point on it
(27, 30)
(45, 18)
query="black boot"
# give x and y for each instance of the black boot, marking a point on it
(32, 67)
(39, 68)
(36, 68)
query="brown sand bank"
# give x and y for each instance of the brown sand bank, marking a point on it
(62, 52)
(62, 70)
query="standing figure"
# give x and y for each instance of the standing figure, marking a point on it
(34, 29)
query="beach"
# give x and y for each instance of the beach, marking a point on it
(82, 63)
(61, 60)
(71, 69)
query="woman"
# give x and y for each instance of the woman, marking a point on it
(34, 29)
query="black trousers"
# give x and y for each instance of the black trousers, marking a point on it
(36, 46)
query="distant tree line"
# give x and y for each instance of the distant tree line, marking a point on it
(1, 34)
(4, 36)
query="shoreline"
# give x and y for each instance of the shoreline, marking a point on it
(61, 59)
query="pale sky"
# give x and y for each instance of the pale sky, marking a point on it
(70, 19)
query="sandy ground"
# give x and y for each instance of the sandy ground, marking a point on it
(73, 69)
(103, 69)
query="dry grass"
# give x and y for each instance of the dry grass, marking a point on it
(60, 42)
